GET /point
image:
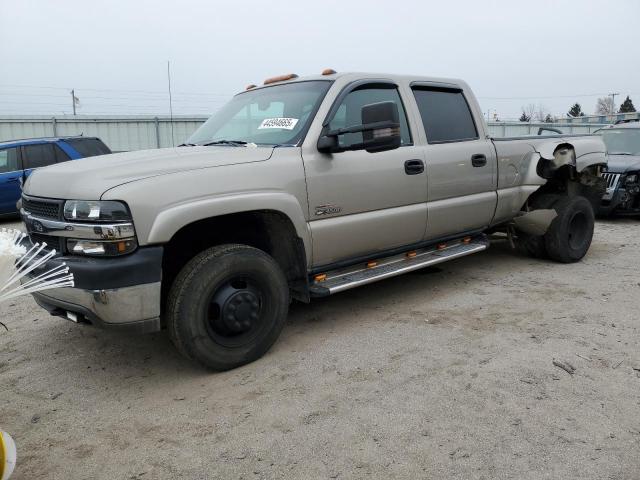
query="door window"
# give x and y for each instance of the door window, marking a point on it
(445, 115)
(8, 160)
(349, 112)
(88, 147)
(36, 156)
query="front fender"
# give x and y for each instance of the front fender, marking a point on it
(172, 219)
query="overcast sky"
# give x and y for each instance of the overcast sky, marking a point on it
(114, 53)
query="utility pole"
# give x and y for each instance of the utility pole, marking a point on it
(173, 141)
(73, 101)
(613, 101)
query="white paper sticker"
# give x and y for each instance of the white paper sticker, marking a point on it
(279, 122)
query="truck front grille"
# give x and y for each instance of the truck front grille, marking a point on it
(42, 208)
(612, 180)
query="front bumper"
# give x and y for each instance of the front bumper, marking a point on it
(619, 202)
(123, 293)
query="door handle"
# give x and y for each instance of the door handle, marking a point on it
(413, 167)
(478, 160)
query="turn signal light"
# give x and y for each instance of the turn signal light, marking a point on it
(281, 78)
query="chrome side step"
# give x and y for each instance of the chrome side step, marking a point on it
(350, 277)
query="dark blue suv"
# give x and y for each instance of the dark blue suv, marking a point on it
(19, 157)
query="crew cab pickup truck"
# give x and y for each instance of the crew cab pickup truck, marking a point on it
(301, 188)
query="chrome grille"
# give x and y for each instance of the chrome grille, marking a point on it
(612, 180)
(42, 208)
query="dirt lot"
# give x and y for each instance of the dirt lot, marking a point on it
(446, 373)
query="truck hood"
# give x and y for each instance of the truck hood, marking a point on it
(623, 163)
(89, 178)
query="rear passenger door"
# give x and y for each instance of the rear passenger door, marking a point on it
(10, 179)
(460, 163)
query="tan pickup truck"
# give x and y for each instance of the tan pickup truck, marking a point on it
(301, 188)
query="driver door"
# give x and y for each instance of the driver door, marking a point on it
(362, 203)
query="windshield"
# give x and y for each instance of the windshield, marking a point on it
(625, 141)
(268, 116)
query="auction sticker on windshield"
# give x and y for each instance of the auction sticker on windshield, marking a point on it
(279, 122)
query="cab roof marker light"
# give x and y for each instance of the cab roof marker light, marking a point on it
(280, 78)
(250, 86)
(328, 71)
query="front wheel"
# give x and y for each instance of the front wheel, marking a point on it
(227, 306)
(569, 236)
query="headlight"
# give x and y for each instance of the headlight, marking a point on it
(101, 249)
(631, 178)
(96, 211)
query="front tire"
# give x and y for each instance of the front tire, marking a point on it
(227, 306)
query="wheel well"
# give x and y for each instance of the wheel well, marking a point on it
(270, 231)
(565, 179)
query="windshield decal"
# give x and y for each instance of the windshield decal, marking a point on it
(279, 122)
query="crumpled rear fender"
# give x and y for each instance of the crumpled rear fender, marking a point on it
(580, 152)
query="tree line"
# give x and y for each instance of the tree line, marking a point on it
(604, 106)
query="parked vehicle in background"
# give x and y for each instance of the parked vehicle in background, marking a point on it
(301, 188)
(623, 171)
(18, 158)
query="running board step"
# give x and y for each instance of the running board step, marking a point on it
(350, 277)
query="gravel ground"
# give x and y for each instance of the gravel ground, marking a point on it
(445, 373)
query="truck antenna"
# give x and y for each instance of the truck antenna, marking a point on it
(173, 142)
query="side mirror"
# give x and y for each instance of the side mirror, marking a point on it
(380, 131)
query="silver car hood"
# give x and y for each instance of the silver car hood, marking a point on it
(89, 178)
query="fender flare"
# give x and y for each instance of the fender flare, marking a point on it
(580, 152)
(173, 219)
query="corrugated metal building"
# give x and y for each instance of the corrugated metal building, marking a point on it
(122, 133)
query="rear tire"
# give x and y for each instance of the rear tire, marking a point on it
(569, 236)
(227, 306)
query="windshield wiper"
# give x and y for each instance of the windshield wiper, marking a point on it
(235, 143)
(620, 153)
(187, 145)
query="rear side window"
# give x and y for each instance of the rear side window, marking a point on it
(8, 160)
(445, 115)
(36, 156)
(88, 147)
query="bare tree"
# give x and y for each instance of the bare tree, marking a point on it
(541, 113)
(605, 106)
(527, 112)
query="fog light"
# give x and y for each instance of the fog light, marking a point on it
(101, 249)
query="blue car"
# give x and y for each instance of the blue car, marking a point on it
(19, 157)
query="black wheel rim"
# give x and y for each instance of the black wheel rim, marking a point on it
(234, 312)
(578, 229)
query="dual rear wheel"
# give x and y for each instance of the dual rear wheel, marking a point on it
(569, 236)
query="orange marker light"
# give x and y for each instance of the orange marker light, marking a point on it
(371, 264)
(442, 246)
(466, 240)
(281, 78)
(249, 87)
(321, 277)
(411, 254)
(328, 71)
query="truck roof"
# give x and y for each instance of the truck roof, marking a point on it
(28, 141)
(372, 75)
